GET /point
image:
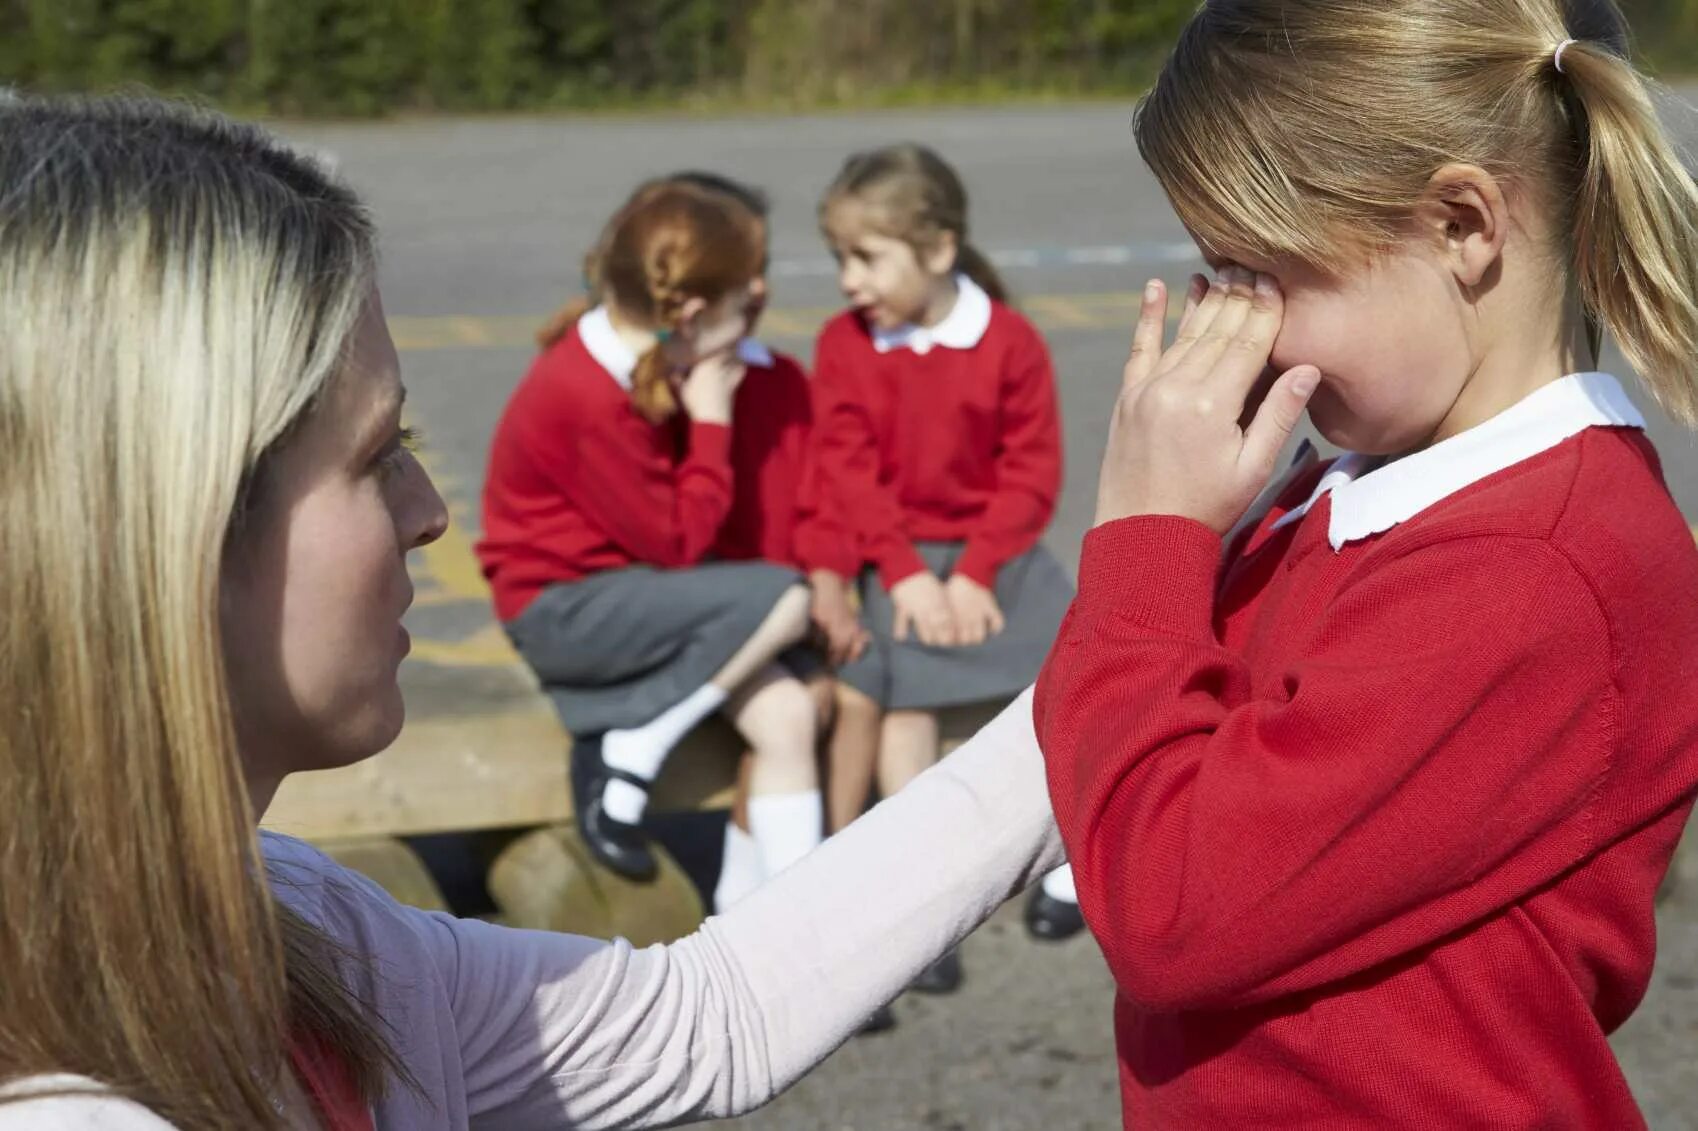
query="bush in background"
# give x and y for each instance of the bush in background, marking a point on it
(374, 56)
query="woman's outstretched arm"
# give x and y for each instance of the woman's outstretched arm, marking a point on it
(520, 1029)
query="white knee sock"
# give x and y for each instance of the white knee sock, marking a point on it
(641, 751)
(1059, 885)
(740, 870)
(786, 826)
(624, 802)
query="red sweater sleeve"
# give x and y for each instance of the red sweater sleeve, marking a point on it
(847, 455)
(1429, 762)
(1028, 466)
(662, 515)
(823, 537)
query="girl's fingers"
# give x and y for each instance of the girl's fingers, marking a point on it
(1279, 415)
(1147, 335)
(1199, 322)
(1247, 359)
(1240, 300)
(949, 633)
(997, 621)
(900, 626)
(1232, 354)
(1219, 338)
(1196, 288)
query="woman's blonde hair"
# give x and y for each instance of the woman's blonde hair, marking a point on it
(176, 290)
(1309, 130)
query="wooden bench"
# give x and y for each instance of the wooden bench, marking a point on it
(506, 770)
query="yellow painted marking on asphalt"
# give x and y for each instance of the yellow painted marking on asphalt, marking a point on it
(447, 573)
(1059, 311)
(472, 331)
(432, 596)
(795, 323)
(1107, 310)
(465, 332)
(453, 566)
(488, 647)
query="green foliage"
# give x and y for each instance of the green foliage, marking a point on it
(373, 56)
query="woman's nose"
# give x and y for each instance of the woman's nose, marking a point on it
(428, 515)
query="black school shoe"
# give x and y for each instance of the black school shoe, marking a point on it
(941, 977)
(621, 847)
(1050, 919)
(882, 1021)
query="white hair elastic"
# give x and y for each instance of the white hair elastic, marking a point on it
(1561, 47)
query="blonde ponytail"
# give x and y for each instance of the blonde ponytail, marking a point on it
(1309, 131)
(1635, 226)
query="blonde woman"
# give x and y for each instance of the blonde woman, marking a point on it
(206, 502)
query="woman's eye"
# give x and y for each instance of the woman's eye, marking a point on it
(394, 457)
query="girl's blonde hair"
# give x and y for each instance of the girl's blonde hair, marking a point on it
(914, 195)
(178, 291)
(1308, 131)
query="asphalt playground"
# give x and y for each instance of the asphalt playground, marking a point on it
(484, 222)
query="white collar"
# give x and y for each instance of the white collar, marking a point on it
(612, 354)
(961, 329)
(606, 346)
(1369, 497)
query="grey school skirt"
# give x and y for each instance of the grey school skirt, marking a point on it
(1034, 593)
(619, 648)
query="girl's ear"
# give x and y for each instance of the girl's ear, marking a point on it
(940, 257)
(1464, 209)
(690, 314)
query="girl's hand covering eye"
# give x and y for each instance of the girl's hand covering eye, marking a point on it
(1176, 443)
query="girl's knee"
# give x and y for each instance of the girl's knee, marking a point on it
(822, 690)
(787, 717)
(853, 703)
(911, 718)
(790, 616)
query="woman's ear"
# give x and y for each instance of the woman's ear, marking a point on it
(1465, 210)
(940, 258)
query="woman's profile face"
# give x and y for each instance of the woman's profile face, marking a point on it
(316, 582)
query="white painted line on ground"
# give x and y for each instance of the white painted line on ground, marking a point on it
(1104, 255)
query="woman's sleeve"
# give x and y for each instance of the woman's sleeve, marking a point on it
(555, 1030)
(78, 1113)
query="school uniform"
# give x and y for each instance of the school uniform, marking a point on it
(1368, 812)
(939, 448)
(602, 531)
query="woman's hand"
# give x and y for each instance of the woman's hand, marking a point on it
(708, 391)
(1176, 445)
(977, 615)
(845, 638)
(922, 606)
